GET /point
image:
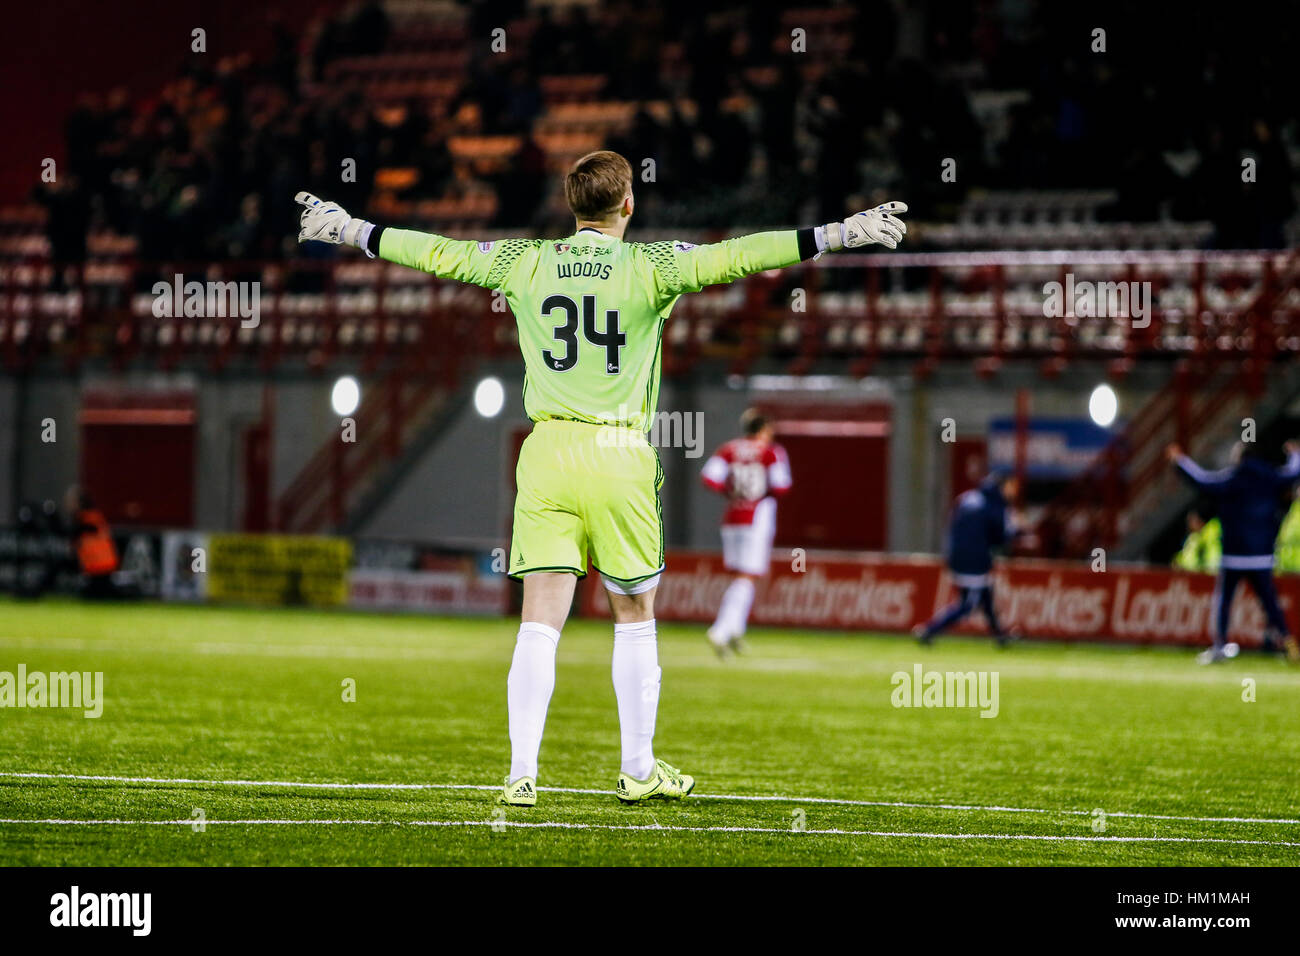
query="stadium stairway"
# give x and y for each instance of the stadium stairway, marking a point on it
(387, 480)
(344, 481)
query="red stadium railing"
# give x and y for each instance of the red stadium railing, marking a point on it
(851, 310)
(843, 313)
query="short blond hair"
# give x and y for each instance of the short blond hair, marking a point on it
(596, 185)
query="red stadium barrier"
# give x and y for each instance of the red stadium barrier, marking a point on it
(984, 307)
(1052, 600)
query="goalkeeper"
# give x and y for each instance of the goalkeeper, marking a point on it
(591, 310)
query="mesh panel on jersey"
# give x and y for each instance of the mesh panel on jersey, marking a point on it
(664, 260)
(511, 250)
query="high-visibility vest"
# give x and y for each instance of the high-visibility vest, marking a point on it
(1288, 541)
(95, 550)
(1203, 549)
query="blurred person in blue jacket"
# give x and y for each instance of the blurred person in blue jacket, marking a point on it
(1248, 496)
(981, 523)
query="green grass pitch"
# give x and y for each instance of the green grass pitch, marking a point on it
(248, 705)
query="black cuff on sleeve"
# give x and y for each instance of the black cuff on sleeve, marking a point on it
(372, 242)
(807, 243)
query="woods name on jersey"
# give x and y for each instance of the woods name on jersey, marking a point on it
(583, 270)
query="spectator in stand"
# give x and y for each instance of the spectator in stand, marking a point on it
(248, 237)
(433, 164)
(466, 183)
(521, 187)
(67, 207)
(860, 115)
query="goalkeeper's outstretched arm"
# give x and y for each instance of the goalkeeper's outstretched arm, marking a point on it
(693, 267)
(447, 258)
(680, 267)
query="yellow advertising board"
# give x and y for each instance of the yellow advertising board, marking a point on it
(278, 569)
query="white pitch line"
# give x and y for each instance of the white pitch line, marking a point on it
(257, 783)
(748, 798)
(652, 827)
(984, 808)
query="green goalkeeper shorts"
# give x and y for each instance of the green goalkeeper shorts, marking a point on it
(588, 489)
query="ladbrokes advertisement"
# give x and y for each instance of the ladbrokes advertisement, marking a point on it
(1042, 599)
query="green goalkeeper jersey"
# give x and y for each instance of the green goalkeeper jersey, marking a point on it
(590, 308)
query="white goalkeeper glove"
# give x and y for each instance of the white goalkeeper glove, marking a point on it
(326, 221)
(871, 225)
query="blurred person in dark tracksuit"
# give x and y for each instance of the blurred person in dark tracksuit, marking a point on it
(981, 523)
(1248, 497)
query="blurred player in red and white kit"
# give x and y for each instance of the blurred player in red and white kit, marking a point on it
(752, 471)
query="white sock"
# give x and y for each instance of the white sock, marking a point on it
(636, 685)
(528, 694)
(733, 615)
